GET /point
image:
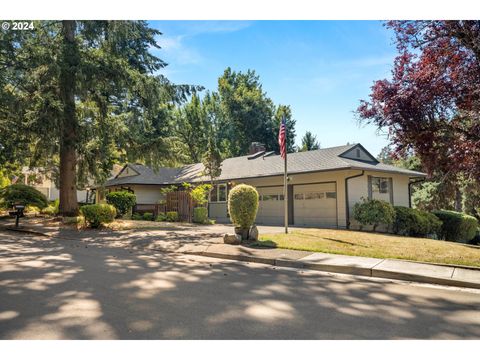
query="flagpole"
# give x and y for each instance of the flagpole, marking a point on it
(285, 190)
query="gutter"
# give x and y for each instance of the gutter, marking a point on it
(410, 183)
(347, 209)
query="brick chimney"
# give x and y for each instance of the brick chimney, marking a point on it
(256, 147)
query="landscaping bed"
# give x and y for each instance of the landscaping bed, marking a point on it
(356, 243)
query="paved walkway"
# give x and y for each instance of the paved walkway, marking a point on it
(207, 241)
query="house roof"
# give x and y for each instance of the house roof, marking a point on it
(262, 165)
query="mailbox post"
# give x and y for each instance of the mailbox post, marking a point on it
(18, 213)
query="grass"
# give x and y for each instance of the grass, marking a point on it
(375, 245)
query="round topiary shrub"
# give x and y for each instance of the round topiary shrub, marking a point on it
(122, 200)
(242, 207)
(98, 214)
(23, 195)
(374, 212)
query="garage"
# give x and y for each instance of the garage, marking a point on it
(270, 205)
(315, 205)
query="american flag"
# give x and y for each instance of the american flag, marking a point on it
(282, 137)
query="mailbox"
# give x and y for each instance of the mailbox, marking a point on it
(18, 213)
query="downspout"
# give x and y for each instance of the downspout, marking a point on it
(347, 209)
(410, 190)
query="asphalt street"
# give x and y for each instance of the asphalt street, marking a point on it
(52, 288)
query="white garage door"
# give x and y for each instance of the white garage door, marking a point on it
(315, 205)
(270, 206)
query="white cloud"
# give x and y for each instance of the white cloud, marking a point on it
(174, 48)
(176, 51)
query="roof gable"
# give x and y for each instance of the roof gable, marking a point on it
(359, 153)
(126, 171)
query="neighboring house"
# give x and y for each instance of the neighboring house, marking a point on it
(323, 184)
(44, 183)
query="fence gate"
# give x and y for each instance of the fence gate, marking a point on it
(182, 203)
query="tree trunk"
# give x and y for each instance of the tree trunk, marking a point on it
(458, 200)
(68, 135)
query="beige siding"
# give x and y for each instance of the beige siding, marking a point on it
(147, 194)
(358, 188)
(218, 211)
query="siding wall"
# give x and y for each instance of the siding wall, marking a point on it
(147, 194)
(358, 188)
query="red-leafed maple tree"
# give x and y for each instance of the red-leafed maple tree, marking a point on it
(431, 105)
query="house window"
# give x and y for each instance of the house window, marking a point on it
(380, 185)
(331, 195)
(218, 193)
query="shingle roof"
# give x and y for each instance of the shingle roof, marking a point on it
(242, 167)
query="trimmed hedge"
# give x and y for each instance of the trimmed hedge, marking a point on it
(171, 216)
(161, 217)
(122, 200)
(98, 214)
(200, 215)
(413, 222)
(457, 226)
(148, 216)
(374, 212)
(24, 195)
(137, 216)
(243, 205)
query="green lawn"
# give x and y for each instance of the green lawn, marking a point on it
(375, 245)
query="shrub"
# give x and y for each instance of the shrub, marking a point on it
(137, 216)
(243, 205)
(200, 215)
(51, 209)
(374, 212)
(32, 209)
(148, 216)
(122, 200)
(476, 239)
(161, 217)
(98, 214)
(172, 216)
(200, 193)
(457, 226)
(22, 194)
(413, 222)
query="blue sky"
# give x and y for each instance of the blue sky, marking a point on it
(320, 68)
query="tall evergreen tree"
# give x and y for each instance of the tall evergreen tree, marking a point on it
(81, 95)
(191, 127)
(309, 142)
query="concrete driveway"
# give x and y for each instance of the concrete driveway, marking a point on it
(54, 288)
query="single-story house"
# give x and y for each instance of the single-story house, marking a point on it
(323, 185)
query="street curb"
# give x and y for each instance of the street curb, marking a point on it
(350, 270)
(342, 269)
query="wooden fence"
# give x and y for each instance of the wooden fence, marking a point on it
(179, 201)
